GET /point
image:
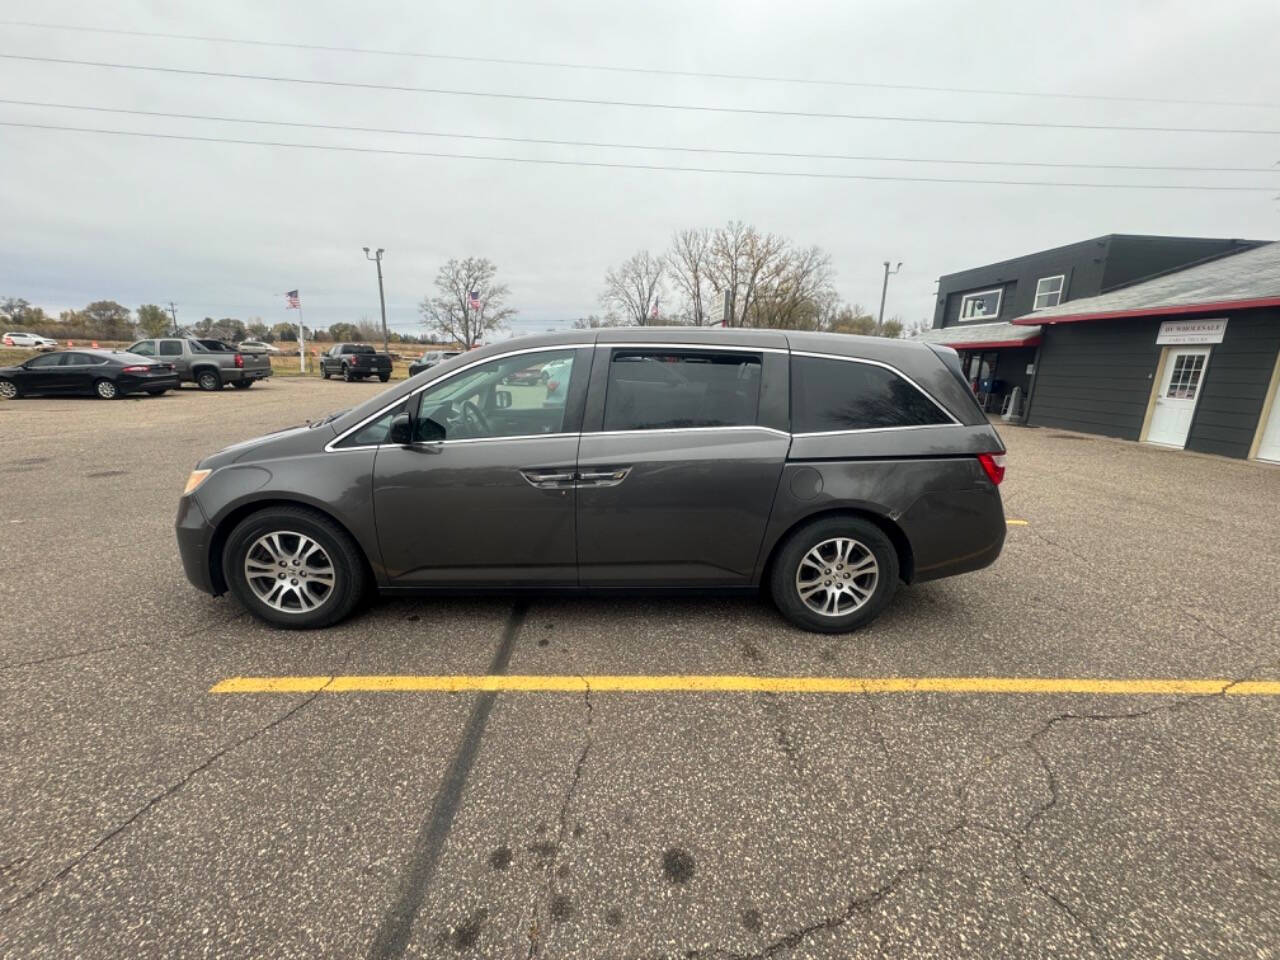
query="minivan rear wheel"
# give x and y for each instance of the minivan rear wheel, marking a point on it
(294, 567)
(834, 575)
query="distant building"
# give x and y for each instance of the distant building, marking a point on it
(974, 307)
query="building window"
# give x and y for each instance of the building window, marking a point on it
(984, 305)
(1048, 292)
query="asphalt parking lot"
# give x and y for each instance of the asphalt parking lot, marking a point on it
(144, 815)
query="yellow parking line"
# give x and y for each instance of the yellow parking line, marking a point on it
(716, 683)
(1017, 523)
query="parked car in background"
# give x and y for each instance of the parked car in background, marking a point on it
(826, 468)
(104, 373)
(208, 369)
(355, 361)
(429, 360)
(21, 339)
(258, 346)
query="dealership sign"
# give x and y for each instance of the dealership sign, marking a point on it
(1192, 331)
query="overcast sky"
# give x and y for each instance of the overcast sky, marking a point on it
(224, 229)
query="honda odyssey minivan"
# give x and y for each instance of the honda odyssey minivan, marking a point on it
(822, 468)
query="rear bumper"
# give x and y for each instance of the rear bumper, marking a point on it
(194, 533)
(128, 384)
(235, 374)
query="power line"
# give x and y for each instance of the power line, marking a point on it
(648, 71)
(646, 166)
(586, 101)
(639, 146)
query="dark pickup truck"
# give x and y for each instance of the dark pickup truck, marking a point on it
(355, 361)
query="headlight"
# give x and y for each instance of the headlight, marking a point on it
(193, 482)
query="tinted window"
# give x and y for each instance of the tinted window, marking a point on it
(77, 359)
(358, 348)
(662, 389)
(840, 395)
(144, 348)
(48, 360)
(170, 348)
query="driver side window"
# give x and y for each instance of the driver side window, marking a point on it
(517, 396)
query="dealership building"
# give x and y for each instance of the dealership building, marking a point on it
(1189, 358)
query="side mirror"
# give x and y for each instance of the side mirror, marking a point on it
(502, 398)
(430, 431)
(402, 429)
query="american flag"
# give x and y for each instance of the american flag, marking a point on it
(292, 301)
(653, 314)
(473, 300)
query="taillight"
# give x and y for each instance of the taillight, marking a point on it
(239, 360)
(552, 386)
(136, 368)
(993, 466)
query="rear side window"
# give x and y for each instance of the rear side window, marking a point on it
(830, 395)
(661, 389)
(170, 348)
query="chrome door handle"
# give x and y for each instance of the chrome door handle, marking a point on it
(549, 479)
(608, 477)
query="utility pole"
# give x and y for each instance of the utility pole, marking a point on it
(382, 300)
(173, 312)
(884, 291)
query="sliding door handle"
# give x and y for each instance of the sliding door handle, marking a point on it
(605, 477)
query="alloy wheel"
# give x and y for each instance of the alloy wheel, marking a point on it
(289, 571)
(837, 577)
(107, 390)
(8, 389)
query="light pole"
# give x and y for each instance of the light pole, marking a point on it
(376, 257)
(884, 291)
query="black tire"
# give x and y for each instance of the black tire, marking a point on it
(787, 563)
(107, 390)
(323, 372)
(242, 384)
(209, 380)
(350, 577)
(384, 377)
(158, 393)
(346, 374)
(9, 390)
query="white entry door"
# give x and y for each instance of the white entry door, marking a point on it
(1269, 447)
(1176, 402)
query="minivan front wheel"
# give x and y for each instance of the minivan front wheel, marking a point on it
(294, 567)
(834, 575)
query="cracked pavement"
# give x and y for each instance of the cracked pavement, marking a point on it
(143, 816)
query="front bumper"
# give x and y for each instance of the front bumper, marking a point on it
(194, 533)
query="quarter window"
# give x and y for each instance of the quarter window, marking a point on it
(1048, 292)
(833, 395)
(984, 305)
(664, 389)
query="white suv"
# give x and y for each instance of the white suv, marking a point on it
(29, 340)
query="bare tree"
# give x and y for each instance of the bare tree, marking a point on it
(743, 262)
(689, 263)
(795, 292)
(469, 304)
(634, 288)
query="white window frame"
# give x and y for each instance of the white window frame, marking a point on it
(1062, 288)
(998, 291)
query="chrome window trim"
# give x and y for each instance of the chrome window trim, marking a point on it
(667, 345)
(894, 370)
(557, 348)
(640, 431)
(857, 430)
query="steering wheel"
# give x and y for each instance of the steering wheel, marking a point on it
(473, 416)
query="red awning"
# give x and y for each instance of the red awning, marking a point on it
(988, 345)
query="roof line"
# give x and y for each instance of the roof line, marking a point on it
(1032, 319)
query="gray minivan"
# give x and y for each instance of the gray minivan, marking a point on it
(823, 467)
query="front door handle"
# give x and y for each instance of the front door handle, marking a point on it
(604, 477)
(553, 478)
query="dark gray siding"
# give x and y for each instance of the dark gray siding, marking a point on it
(1081, 265)
(1235, 384)
(1096, 377)
(1133, 258)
